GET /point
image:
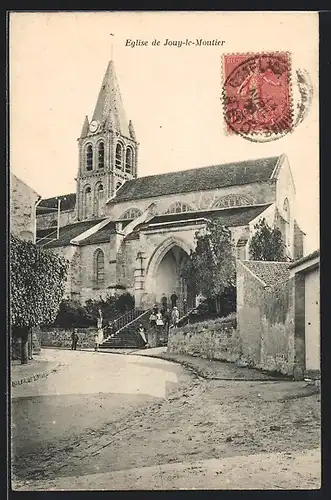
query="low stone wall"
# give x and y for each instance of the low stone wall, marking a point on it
(216, 339)
(61, 337)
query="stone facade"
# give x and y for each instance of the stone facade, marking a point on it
(23, 200)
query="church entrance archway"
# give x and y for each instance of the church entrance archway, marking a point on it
(168, 276)
(163, 274)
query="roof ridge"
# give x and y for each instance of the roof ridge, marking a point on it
(207, 166)
(58, 196)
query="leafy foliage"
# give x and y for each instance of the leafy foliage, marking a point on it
(72, 314)
(211, 268)
(267, 243)
(125, 302)
(37, 281)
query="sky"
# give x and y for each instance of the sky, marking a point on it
(171, 93)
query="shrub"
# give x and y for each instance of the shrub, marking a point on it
(212, 324)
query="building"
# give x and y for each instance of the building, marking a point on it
(120, 231)
(306, 275)
(23, 203)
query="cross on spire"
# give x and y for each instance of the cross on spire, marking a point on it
(111, 47)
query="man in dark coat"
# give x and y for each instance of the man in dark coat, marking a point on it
(164, 301)
(173, 299)
(74, 340)
(166, 320)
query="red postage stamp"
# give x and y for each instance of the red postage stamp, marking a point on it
(257, 94)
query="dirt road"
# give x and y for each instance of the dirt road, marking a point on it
(151, 413)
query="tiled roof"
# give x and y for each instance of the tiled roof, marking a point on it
(197, 179)
(67, 233)
(101, 236)
(68, 202)
(304, 259)
(269, 272)
(234, 216)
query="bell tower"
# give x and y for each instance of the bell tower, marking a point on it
(108, 151)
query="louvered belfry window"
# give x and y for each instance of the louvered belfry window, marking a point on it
(89, 157)
(118, 156)
(101, 155)
(128, 161)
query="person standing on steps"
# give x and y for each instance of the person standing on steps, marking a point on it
(185, 306)
(152, 327)
(167, 320)
(164, 301)
(174, 299)
(159, 328)
(175, 317)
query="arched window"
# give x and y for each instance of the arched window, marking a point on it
(119, 156)
(118, 185)
(178, 207)
(233, 200)
(98, 199)
(87, 202)
(89, 157)
(101, 155)
(132, 213)
(99, 267)
(128, 160)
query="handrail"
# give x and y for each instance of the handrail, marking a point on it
(127, 318)
(137, 313)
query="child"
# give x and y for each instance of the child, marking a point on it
(96, 342)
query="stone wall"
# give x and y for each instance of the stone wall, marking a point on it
(209, 339)
(265, 323)
(61, 337)
(263, 336)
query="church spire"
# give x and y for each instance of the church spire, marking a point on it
(85, 128)
(109, 107)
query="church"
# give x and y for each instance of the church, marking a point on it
(124, 232)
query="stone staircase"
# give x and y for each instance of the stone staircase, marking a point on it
(126, 333)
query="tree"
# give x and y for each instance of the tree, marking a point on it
(211, 268)
(37, 281)
(267, 243)
(72, 314)
(125, 302)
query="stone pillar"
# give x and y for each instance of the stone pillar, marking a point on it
(139, 281)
